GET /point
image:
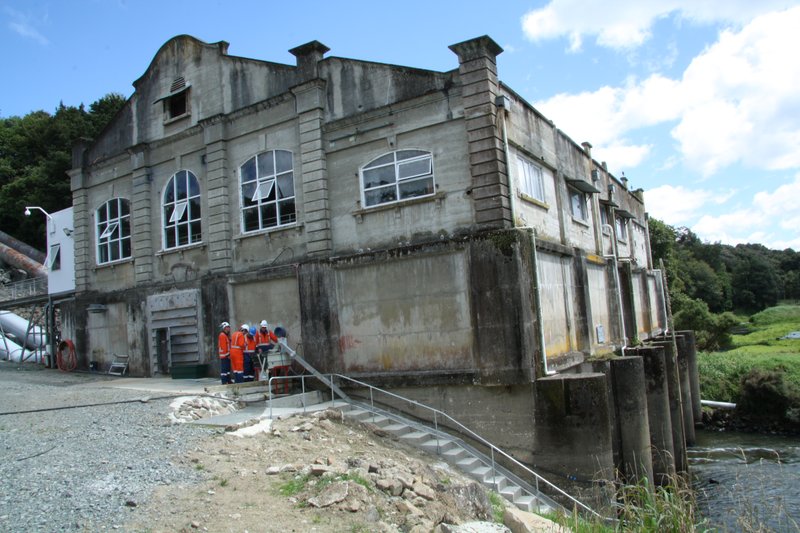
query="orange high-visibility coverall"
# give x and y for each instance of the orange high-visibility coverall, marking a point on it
(238, 344)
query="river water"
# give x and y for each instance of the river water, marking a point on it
(747, 482)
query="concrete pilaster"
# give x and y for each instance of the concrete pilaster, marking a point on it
(222, 187)
(490, 185)
(82, 225)
(694, 375)
(572, 437)
(662, 451)
(675, 404)
(142, 219)
(310, 102)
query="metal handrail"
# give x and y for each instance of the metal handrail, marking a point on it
(494, 449)
(436, 413)
(26, 287)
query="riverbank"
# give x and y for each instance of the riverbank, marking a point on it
(761, 375)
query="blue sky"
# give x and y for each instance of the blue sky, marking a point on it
(696, 101)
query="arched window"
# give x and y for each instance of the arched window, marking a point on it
(397, 176)
(267, 191)
(113, 231)
(180, 210)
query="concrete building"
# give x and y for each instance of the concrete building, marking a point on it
(425, 231)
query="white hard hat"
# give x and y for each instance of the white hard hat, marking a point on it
(224, 325)
(244, 326)
(264, 324)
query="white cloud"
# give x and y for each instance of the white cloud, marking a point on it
(678, 205)
(21, 25)
(772, 219)
(621, 24)
(737, 102)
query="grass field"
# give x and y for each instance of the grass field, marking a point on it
(762, 348)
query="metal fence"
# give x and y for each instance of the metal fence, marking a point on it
(23, 289)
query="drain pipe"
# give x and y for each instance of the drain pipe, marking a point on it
(613, 256)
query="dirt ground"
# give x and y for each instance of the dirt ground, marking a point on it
(318, 473)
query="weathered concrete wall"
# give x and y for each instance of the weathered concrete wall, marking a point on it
(275, 300)
(602, 298)
(555, 290)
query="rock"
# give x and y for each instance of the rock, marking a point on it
(131, 503)
(424, 490)
(408, 508)
(195, 525)
(319, 470)
(519, 521)
(333, 493)
(390, 486)
(372, 514)
(373, 468)
(272, 470)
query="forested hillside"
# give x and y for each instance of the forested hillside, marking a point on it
(35, 154)
(707, 281)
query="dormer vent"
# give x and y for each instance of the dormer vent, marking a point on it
(178, 84)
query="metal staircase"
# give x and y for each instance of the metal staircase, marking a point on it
(484, 467)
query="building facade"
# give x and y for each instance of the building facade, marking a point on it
(405, 226)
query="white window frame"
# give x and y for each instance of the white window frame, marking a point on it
(53, 261)
(261, 197)
(530, 179)
(181, 221)
(621, 228)
(582, 197)
(397, 161)
(113, 233)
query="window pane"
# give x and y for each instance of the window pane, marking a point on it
(170, 237)
(124, 207)
(380, 196)
(179, 212)
(169, 191)
(126, 247)
(383, 160)
(168, 209)
(414, 168)
(197, 234)
(378, 176)
(266, 165)
(264, 192)
(183, 234)
(414, 188)
(125, 227)
(114, 251)
(180, 186)
(286, 186)
(194, 209)
(269, 215)
(287, 212)
(283, 160)
(248, 189)
(408, 154)
(194, 186)
(250, 217)
(113, 209)
(102, 214)
(248, 170)
(103, 257)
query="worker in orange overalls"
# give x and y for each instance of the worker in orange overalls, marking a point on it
(249, 354)
(238, 344)
(224, 342)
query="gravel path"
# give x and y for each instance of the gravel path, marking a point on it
(81, 469)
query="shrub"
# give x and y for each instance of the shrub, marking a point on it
(763, 392)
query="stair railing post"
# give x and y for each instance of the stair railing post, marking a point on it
(333, 394)
(303, 388)
(372, 403)
(269, 391)
(436, 427)
(494, 477)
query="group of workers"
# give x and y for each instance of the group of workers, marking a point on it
(237, 352)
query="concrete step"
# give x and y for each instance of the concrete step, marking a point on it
(397, 429)
(497, 483)
(354, 413)
(481, 473)
(526, 502)
(469, 463)
(415, 437)
(455, 454)
(510, 492)
(439, 445)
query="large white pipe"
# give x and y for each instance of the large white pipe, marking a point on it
(18, 327)
(10, 350)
